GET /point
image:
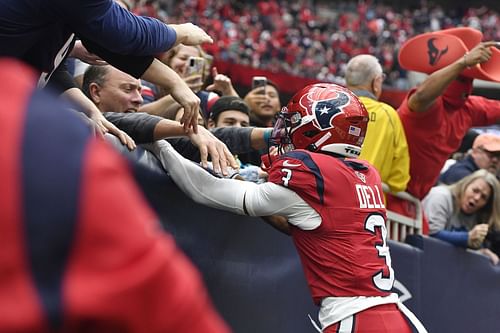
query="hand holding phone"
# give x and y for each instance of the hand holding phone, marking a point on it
(209, 60)
(259, 82)
(195, 66)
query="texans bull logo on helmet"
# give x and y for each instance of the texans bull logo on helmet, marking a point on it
(326, 110)
(323, 117)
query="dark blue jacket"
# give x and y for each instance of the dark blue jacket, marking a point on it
(39, 32)
(459, 170)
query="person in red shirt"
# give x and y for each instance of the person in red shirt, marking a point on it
(437, 114)
(330, 203)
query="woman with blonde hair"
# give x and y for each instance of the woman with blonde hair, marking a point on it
(157, 100)
(177, 59)
(462, 213)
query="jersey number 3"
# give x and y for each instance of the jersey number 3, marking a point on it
(286, 178)
(381, 281)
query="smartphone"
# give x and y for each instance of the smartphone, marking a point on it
(196, 65)
(259, 82)
(209, 60)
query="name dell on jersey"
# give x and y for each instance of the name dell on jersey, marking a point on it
(369, 196)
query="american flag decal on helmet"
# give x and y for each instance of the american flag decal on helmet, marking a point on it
(353, 130)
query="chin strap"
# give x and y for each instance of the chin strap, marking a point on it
(267, 161)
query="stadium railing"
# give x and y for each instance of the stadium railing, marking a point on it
(398, 225)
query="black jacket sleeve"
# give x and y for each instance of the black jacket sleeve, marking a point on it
(140, 126)
(237, 140)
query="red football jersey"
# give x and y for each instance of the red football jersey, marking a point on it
(347, 254)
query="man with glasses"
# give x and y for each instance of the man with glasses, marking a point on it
(385, 143)
(485, 154)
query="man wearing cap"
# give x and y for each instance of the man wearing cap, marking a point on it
(232, 111)
(437, 114)
(229, 111)
(485, 154)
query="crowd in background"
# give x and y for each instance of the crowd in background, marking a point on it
(314, 39)
(401, 146)
(145, 94)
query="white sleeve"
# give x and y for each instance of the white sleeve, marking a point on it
(197, 183)
(235, 195)
(272, 199)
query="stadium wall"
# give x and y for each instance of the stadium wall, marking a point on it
(255, 278)
(241, 77)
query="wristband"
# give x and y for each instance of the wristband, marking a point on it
(267, 136)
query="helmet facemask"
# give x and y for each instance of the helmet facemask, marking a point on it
(281, 137)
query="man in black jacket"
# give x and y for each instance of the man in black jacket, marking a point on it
(117, 95)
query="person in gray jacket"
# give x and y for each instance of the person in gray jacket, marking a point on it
(463, 213)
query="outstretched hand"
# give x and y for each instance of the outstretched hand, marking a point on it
(220, 155)
(102, 126)
(190, 34)
(190, 102)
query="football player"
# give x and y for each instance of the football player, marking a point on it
(328, 201)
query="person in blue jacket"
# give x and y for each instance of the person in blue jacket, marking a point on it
(42, 33)
(485, 154)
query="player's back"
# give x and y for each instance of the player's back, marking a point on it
(347, 254)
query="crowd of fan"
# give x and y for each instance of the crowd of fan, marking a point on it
(398, 144)
(316, 41)
(356, 42)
